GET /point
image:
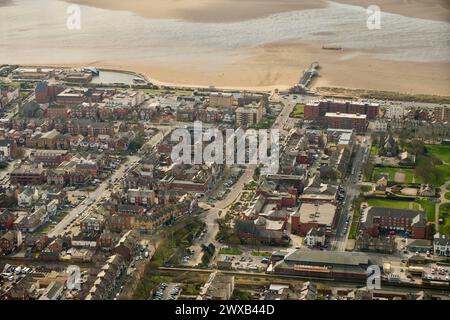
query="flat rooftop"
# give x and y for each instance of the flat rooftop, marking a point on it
(345, 115)
(322, 214)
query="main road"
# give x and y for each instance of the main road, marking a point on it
(351, 188)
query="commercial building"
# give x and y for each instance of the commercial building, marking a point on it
(46, 93)
(323, 264)
(313, 215)
(249, 115)
(29, 174)
(315, 110)
(219, 99)
(50, 158)
(72, 96)
(442, 113)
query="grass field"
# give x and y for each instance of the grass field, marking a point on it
(261, 254)
(267, 123)
(366, 188)
(409, 174)
(442, 152)
(429, 207)
(444, 214)
(447, 195)
(395, 204)
(374, 151)
(161, 91)
(443, 174)
(231, 251)
(299, 111)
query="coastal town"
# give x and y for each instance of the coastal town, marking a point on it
(93, 205)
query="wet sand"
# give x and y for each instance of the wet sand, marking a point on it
(238, 10)
(205, 10)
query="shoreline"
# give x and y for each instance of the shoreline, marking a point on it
(178, 86)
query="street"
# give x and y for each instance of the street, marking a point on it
(351, 188)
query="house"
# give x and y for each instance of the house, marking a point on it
(382, 182)
(92, 223)
(28, 197)
(22, 290)
(308, 291)
(315, 237)
(127, 245)
(8, 242)
(56, 246)
(52, 207)
(6, 219)
(262, 230)
(31, 222)
(218, 287)
(441, 245)
(54, 291)
(108, 279)
(407, 159)
(427, 190)
(277, 292)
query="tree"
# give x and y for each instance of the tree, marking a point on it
(19, 153)
(446, 228)
(136, 144)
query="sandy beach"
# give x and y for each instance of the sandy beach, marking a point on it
(279, 66)
(237, 10)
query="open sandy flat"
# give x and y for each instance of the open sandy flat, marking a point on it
(236, 10)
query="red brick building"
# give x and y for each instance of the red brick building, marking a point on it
(378, 220)
(317, 109)
(339, 120)
(311, 215)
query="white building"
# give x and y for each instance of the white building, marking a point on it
(395, 112)
(380, 125)
(5, 149)
(441, 245)
(27, 197)
(125, 99)
(315, 237)
(52, 207)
